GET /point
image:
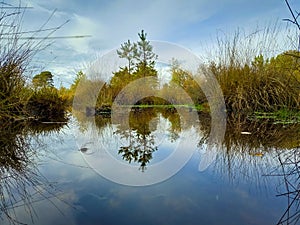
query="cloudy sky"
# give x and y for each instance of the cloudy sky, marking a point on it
(190, 23)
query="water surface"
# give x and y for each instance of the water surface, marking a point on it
(56, 183)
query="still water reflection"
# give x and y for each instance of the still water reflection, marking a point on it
(45, 177)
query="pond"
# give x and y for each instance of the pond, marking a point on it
(92, 170)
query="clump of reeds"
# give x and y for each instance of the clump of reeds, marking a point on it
(14, 56)
(251, 81)
(17, 49)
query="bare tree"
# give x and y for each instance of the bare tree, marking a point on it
(294, 20)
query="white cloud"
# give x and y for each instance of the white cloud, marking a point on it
(81, 25)
(113, 22)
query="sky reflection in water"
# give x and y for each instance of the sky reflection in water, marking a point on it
(229, 192)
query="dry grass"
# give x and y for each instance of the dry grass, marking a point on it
(251, 82)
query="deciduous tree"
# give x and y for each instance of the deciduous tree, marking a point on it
(44, 79)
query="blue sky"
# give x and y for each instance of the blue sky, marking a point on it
(190, 23)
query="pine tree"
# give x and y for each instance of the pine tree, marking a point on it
(128, 51)
(145, 55)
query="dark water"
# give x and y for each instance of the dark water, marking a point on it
(60, 173)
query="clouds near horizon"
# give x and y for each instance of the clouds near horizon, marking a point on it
(110, 23)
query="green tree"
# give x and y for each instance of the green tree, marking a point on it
(141, 62)
(145, 55)
(259, 63)
(145, 59)
(42, 80)
(120, 79)
(179, 76)
(185, 80)
(287, 62)
(80, 76)
(128, 51)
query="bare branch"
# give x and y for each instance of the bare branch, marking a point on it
(294, 21)
(292, 13)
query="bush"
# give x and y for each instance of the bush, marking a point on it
(45, 104)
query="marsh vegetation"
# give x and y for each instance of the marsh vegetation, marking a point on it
(261, 94)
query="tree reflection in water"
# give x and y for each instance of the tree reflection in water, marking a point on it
(141, 144)
(252, 149)
(21, 181)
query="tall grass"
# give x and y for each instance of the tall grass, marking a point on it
(252, 80)
(14, 57)
(16, 53)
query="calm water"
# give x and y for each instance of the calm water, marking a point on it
(58, 176)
